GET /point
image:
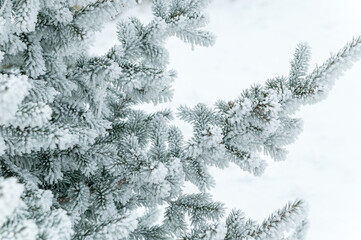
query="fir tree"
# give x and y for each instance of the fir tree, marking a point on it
(91, 166)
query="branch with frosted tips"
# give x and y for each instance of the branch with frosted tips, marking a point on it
(292, 216)
(259, 120)
(180, 18)
(249, 162)
(205, 148)
(208, 231)
(119, 227)
(235, 224)
(172, 10)
(93, 15)
(320, 81)
(286, 222)
(143, 76)
(299, 63)
(183, 19)
(209, 147)
(144, 44)
(198, 206)
(51, 136)
(147, 227)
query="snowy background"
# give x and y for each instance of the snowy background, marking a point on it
(255, 41)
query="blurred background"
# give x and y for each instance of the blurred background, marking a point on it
(255, 41)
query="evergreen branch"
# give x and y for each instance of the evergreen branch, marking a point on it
(274, 226)
(299, 64)
(320, 81)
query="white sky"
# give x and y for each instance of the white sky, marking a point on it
(255, 41)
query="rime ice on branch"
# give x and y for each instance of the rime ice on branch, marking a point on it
(91, 166)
